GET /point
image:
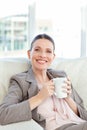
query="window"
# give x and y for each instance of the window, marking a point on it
(64, 20)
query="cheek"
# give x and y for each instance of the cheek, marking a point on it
(32, 55)
(51, 58)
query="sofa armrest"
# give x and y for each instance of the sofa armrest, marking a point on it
(26, 125)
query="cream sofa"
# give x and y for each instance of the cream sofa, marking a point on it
(76, 69)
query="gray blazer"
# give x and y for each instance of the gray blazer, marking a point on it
(15, 106)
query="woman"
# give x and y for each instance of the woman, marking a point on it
(32, 94)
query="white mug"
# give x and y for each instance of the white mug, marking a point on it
(59, 82)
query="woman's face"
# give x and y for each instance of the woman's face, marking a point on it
(42, 54)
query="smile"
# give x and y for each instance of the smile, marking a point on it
(41, 61)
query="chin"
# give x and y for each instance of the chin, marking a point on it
(41, 69)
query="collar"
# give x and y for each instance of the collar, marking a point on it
(30, 77)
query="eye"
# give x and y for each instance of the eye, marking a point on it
(36, 49)
(49, 51)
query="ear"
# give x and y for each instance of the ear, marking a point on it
(28, 53)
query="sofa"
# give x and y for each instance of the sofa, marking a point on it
(76, 69)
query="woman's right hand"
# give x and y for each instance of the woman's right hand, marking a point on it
(47, 90)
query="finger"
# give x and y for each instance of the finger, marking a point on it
(67, 89)
(50, 92)
(50, 82)
(68, 82)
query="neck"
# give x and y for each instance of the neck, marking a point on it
(41, 76)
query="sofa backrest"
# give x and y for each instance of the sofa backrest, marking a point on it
(9, 67)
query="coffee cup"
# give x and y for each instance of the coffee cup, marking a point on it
(59, 83)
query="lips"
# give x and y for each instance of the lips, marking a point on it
(41, 61)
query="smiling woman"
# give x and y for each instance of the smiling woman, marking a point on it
(33, 91)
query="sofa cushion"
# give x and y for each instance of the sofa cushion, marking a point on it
(25, 125)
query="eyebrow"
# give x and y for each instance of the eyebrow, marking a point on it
(40, 47)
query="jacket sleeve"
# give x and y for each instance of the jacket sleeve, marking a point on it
(14, 108)
(80, 104)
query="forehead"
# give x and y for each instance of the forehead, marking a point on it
(43, 43)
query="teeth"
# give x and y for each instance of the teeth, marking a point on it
(41, 61)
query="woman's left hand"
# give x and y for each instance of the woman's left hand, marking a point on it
(68, 88)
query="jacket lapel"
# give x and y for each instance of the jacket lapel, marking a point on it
(33, 86)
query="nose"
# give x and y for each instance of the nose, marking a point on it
(43, 54)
